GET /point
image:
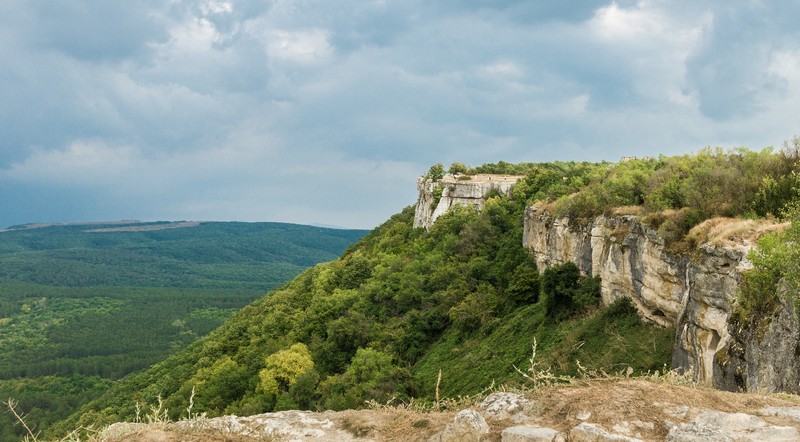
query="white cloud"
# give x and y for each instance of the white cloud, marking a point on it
(301, 47)
(503, 69)
(84, 162)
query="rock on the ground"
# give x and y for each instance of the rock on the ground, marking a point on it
(739, 427)
(289, 425)
(524, 433)
(467, 426)
(792, 413)
(587, 432)
(503, 405)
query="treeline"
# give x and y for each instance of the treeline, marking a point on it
(44, 401)
(673, 194)
(211, 255)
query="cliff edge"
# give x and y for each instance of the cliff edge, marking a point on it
(436, 197)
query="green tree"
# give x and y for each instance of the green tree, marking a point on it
(776, 261)
(457, 168)
(284, 367)
(436, 172)
(219, 385)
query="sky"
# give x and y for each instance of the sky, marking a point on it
(325, 112)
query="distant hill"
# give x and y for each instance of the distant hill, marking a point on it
(83, 304)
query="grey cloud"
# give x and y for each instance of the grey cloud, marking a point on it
(730, 71)
(325, 112)
(95, 30)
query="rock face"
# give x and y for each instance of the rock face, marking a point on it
(456, 191)
(764, 356)
(692, 294)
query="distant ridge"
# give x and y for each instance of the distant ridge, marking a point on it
(85, 223)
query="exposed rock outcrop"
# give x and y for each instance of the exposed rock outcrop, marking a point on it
(437, 197)
(622, 410)
(764, 355)
(693, 294)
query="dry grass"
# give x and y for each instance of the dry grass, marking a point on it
(613, 402)
(733, 231)
(628, 210)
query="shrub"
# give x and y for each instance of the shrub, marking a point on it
(436, 172)
(566, 292)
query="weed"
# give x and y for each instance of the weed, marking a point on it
(539, 377)
(12, 408)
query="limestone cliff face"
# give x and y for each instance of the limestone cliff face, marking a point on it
(454, 191)
(763, 356)
(692, 294)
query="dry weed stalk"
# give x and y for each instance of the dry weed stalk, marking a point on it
(12, 408)
(541, 377)
(158, 414)
(438, 381)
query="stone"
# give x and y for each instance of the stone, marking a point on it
(467, 426)
(587, 432)
(763, 356)
(583, 415)
(733, 422)
(632, 428)
(503, 405)
(792, 413)
(524, 433)
(283, 425)
(721, 426)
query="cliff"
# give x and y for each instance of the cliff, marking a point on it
(436, 197)
(693, 293)
(763, 356)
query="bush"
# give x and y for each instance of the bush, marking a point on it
(567, 293)
(436, 172)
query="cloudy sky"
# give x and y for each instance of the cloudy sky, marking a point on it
(324, 112)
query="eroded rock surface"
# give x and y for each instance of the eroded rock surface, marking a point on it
(764, 355)
(470, 191)
(693, 294)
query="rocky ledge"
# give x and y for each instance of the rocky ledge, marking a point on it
(609, 410)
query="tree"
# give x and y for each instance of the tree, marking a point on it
(436, 172)
(457, 168)
(284, 367)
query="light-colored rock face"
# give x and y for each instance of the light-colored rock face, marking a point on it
(694, 295)
(455, 191)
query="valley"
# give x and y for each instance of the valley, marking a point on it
(82, 305)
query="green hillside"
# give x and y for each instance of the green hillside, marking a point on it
(83, 305)
(464, 298)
